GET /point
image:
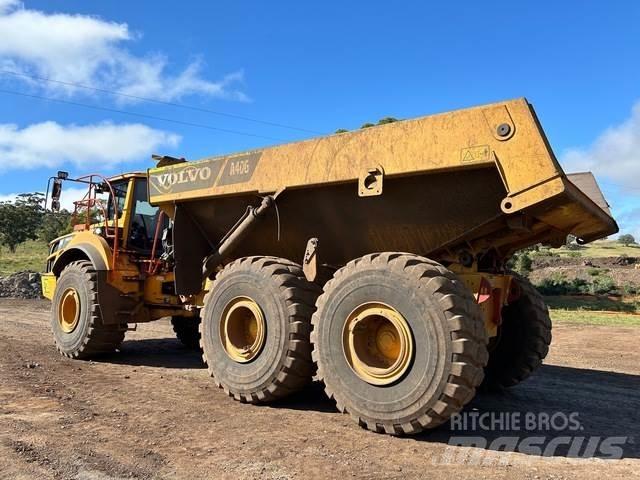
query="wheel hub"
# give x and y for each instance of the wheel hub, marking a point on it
(377, 343)
(69, 310)
(242, 329)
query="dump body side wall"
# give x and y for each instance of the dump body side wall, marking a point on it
(414, 214)
(475, 179)
(450, 141)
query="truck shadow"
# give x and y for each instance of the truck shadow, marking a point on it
(559, 412)
(155, 352)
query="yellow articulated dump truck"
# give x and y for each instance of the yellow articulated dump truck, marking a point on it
(374, 260)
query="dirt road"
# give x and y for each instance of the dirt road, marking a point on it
(150, 411)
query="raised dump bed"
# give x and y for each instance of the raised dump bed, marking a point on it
(479, 181)
(376, 258)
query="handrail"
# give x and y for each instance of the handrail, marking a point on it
(153, 265)
(91, 201)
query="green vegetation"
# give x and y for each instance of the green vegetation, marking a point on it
(25, 219)
(594, 310)
(594, 303)
(385, 120)
(612, 319)
(626, 239)
(54, 225)
(599, 248)
(30, 255)
(382, 121)
(559, 284)
(19, 220)
(521, 263)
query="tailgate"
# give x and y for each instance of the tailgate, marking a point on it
(580, 209)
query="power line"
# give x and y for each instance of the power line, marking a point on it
(159, 102)
(140, 115)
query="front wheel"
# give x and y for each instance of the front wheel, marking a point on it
(399, 342)
(76, 318)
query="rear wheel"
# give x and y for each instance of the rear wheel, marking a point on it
(523, 339)
(399, 342)
(76, 319)
(187, 330)
(255, 329)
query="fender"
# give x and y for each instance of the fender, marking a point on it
(92, 247)
(85, 245)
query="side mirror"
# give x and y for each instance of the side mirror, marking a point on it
(56, 192)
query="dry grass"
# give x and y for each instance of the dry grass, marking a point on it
(595, 310)
(30, 256)
(601, 248)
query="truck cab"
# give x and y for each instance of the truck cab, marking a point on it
(116, 244)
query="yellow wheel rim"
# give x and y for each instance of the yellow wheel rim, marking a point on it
(377, 343)
(69, 310)
(242, 329)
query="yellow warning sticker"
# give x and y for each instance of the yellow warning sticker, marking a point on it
(479, 153)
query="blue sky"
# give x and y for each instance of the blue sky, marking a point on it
(316, 66)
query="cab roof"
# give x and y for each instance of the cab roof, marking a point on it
(126, 176)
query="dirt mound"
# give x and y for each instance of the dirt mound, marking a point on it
(544, 261)
(21, 285)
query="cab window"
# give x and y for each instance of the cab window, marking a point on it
(120, 192)
(144, 219)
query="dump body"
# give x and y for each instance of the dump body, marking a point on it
(477, 179)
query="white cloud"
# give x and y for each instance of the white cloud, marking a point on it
(71, 194)
(11, 196)
(89, 50)
(99, 147)
(614, 155)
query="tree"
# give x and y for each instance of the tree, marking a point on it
(382, 121)
(626, 239)
(20, 220)
(521, 261)
(523, 264)
(54, 225)
(385, 120)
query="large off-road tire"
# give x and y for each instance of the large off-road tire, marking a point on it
(255, 329)
(375, 310)
(76, 318)
(187, 330)
(523, 339)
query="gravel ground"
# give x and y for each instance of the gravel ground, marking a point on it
(150, 411)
